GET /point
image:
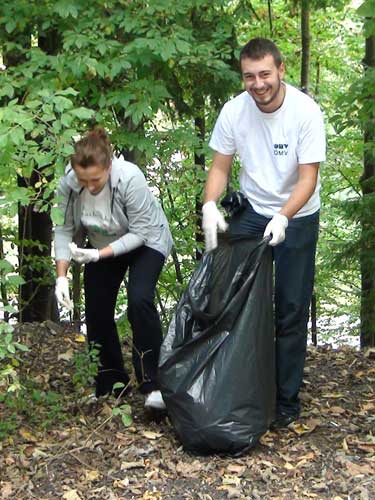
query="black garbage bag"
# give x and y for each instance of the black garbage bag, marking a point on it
(217, 362)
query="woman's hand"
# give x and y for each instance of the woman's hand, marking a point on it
(62, 292)
(84, 255)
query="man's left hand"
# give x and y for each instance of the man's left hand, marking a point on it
(84, 255)
(276, 227)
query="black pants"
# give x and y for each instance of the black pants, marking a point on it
(294, 279)
(102, 281)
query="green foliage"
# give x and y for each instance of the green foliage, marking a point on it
(10, 351)
(366, 10)
(147, 71)
(42, 408)
(124, 412)
(86, 364)
(123, 325)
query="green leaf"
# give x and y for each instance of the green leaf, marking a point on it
(18, 136)
(57, 216)
(68, 91)
(5, 266)
(9, 309)
(66, 119)
(4, 141)
(118, 385)
(367, 9)
(127, 420)
(62, 103)
(7, 90)
(102, 48)
(82, 113)
(15, 280)
(11, 348)
(126, 408)
(21, 347)
(65, 8)
(10, 25)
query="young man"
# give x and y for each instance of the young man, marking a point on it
(278, 133)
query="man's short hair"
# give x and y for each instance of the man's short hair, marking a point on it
(258, 48)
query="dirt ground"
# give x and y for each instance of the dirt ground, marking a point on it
(57, 443)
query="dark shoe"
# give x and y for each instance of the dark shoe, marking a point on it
(282, 421)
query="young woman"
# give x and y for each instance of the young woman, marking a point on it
(107, 203)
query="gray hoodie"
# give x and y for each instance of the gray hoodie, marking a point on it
(132, 205)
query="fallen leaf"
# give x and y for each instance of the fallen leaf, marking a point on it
(92, 475)
(80, 338)
(187, 469)
(71, 495)
(121, 483)
(336, 410)
(333, 395)
(27, 435)
(132, 465)
(66, 356)
(356, 469)
(6, 489)
(288, 466)
(151, 435)
(231, 480)
(370, 353)
(152, 495)
(9, 460)
(29, 451)
(267, 463)
(268, 439)
(231, 492)
(306, 427)
(308, 456)
(345, 445)
(368, 406)
(236, 469)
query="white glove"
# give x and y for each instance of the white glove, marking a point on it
(212, 221)
(276, 227)
(62, 292)
(84, 255)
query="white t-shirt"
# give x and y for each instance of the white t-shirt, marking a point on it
(96, 217)
(271, 146)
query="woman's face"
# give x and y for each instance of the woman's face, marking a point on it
(93, 178)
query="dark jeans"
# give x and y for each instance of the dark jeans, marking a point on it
(102, 281)
(294, 278)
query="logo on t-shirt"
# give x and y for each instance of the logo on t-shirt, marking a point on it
(280, 149)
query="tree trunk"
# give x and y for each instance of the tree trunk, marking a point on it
(270, 17)
(305, 74)
(199, 161)
(305, 36)
(367, 255)
(3, 288)
(37, 298)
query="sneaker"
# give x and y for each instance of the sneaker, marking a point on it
(155, 401)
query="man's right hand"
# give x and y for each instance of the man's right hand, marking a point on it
(211, 222)
(62, 292)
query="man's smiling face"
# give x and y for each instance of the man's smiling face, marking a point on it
(262, 79)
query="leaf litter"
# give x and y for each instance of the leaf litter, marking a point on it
(82, 452)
